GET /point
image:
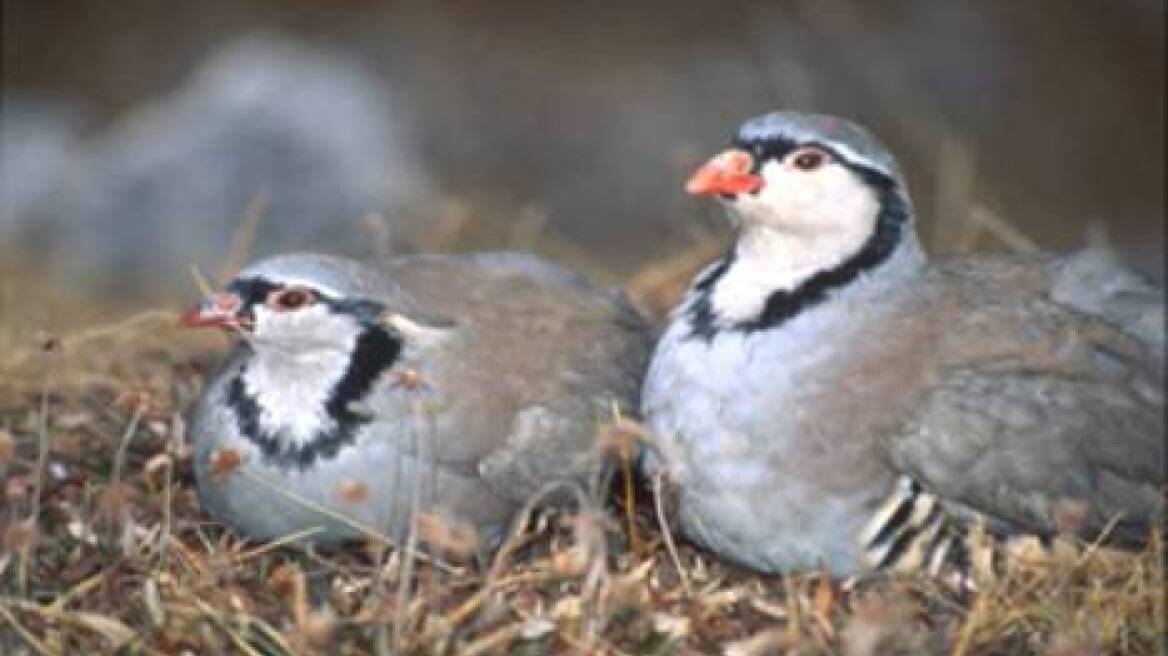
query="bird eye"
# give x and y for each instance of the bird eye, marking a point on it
(808, 159)
(290, 298)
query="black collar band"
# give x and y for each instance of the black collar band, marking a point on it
(376, 350)
(782, 305)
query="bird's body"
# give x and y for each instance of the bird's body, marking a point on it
(467, 383)
(826, 397)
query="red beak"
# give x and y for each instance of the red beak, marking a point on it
(726, 173)
(220, 310)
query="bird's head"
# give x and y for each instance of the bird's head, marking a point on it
(298, 303)
(811, 176)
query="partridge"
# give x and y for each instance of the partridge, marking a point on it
(456, 386)
(825, 396)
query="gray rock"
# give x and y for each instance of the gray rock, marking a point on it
(168, 184)
(39, 142)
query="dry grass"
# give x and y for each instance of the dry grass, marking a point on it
(105, 550)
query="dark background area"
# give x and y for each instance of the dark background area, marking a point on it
(568, 128)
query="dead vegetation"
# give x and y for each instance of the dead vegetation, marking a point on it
(105, 551)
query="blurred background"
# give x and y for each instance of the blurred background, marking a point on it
(140, 138)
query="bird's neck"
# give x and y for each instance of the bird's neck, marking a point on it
(767, 261)
(297, 405)
(770, 276)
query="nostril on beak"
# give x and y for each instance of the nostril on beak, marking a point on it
(737, 162)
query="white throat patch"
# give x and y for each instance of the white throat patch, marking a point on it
(291, 376)
(798, 225)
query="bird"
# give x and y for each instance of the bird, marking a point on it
(361, 396)
(826, 397)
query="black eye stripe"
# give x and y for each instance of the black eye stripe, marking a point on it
(764, 150)
(776, 148)
(255, 291)
(252, 291)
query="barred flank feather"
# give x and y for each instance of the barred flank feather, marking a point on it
(913, 532)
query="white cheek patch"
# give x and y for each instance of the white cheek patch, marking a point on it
(299, 333)
(829, 200)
